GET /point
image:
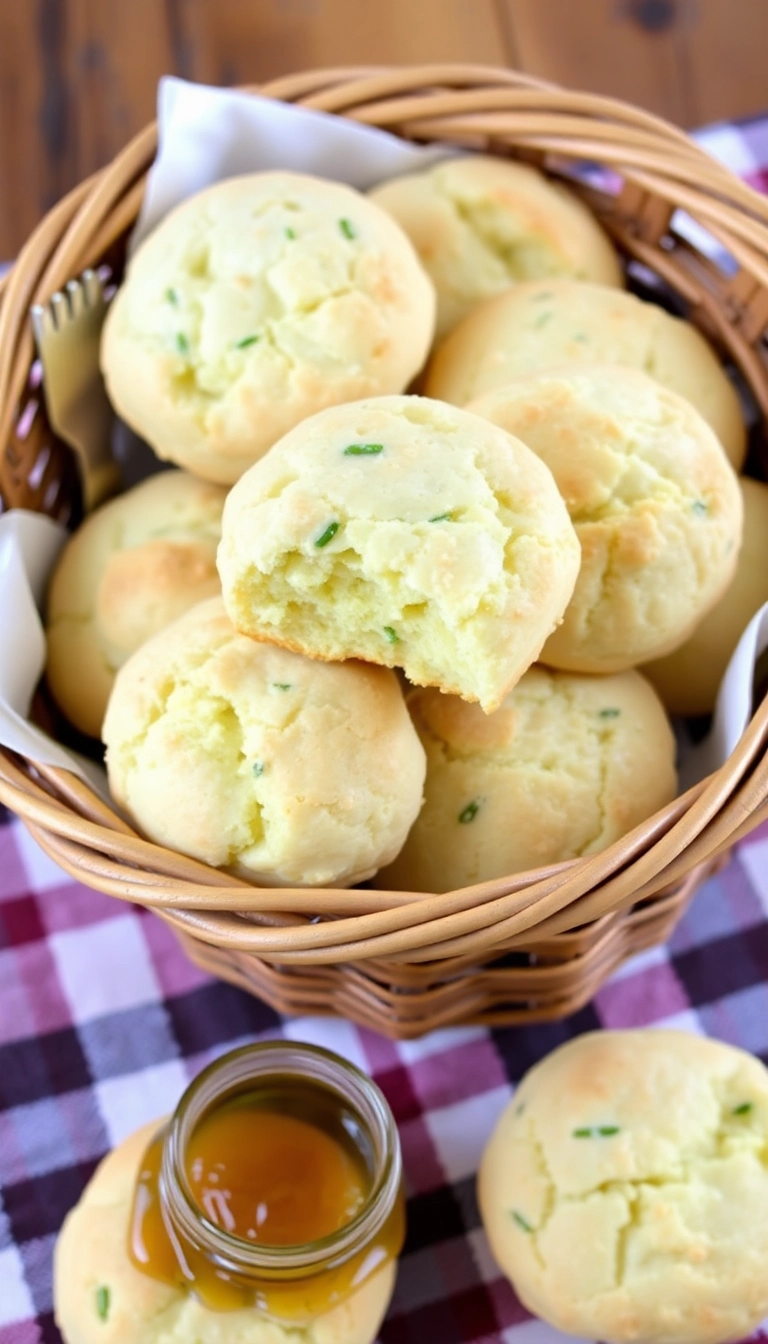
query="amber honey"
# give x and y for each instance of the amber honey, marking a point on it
(280, 1192)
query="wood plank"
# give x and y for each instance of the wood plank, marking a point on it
(78, 78)
(632, 50)
(726, 57)
(233, 42)
(24, 155)
(116, 54)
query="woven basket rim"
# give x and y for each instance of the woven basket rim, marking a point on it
(661, 168)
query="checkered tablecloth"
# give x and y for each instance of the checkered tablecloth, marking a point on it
(103, 1022)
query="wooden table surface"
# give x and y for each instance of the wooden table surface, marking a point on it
(78, 77)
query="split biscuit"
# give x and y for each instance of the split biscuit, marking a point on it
(404, 532)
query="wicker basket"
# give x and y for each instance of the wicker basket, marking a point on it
(522, 949)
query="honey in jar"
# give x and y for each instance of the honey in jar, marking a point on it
(276, 1185)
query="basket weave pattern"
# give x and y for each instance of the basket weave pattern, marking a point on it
(528, 948)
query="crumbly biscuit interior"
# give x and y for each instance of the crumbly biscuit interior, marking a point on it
(407, 556)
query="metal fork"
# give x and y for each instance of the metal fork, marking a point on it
(67, 334)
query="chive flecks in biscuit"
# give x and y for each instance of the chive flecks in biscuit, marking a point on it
(521, 1221)
(182, 344)
(327, 277)
(542, 320)
(246, 341)
(327, 535)
(744, 1108)
(645, 434)
(659, 1233)
(471, 609)
(469, 812)
(544, 780)
(245, 762)
(498, 343)
(609, 713)
(442, 518)
(102, 1302)
(481, 224)
(596, 1132)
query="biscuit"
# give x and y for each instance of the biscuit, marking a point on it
(101, 1298)
(625, 1189)
(129, 570)
(479, 224)
(688, 679)
(550, 322)
(404, 532)
(254, 304)
(257, 760)
(566, 766)
(652, 496)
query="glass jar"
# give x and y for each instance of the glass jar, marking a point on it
(173, 1238)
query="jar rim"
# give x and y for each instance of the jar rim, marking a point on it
(227, 1075)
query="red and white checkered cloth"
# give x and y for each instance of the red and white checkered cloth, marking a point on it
(103, 1022)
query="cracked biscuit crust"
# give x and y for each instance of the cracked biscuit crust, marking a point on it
(565, 767)
(652, 496)
(541, 324)
(481, 224)
(129, 570)
(254, 304)
(257, 760)
(405, 532)
(100, 1298)
(625, 1189)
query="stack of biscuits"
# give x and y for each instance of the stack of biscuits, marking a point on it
(356, 633)
(359, 633)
